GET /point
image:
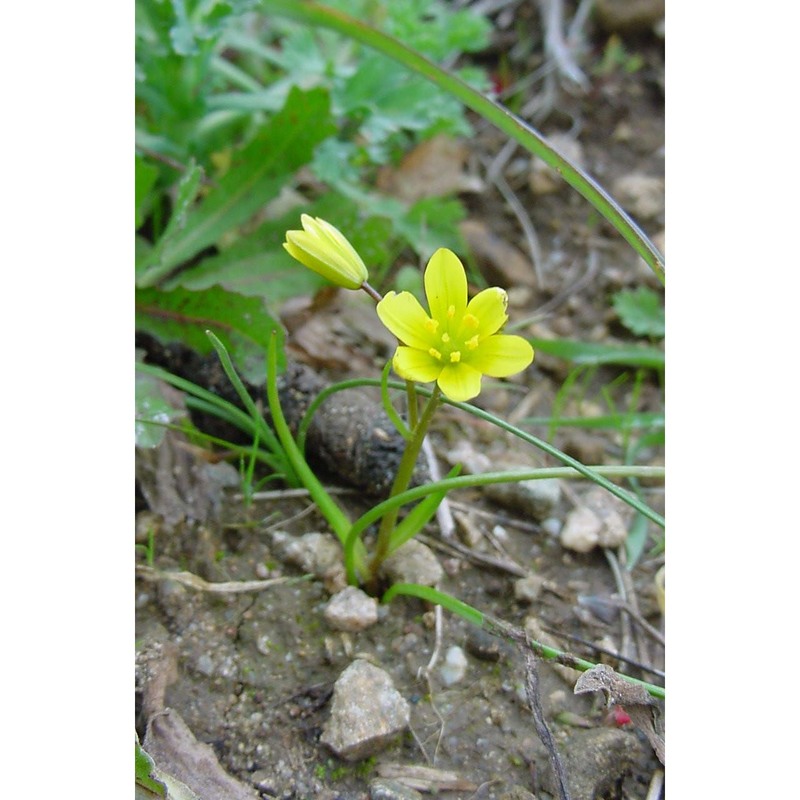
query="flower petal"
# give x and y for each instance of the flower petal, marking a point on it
(489, 308)
(501, 356)
(445, 288)
(416, 365)
(460, 382)
(406, 319)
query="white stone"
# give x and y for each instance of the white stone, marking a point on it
(455, 666)
(367, 712)
(351, 610)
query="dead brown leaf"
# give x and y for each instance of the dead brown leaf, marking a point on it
(432, 169)
(644, 710)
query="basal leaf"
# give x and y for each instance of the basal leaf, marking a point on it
(257, 175)
(242, 323)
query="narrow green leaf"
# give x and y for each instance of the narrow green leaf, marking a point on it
(592, 353)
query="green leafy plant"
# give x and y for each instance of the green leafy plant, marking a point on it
(640, 311)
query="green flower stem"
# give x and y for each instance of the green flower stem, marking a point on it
(326, 504)
(413, 403)
(317, 14)
(395, 501)
(401, 426)
(401, 481)
(496, 626)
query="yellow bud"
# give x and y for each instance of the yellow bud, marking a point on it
(324, 249)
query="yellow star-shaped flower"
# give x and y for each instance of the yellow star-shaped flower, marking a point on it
(458, 342)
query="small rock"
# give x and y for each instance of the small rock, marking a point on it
(542, 178)
(486, 647)
(366, 714)
(581, 531)
(528, 589)
(536, 499)
(473, 461)
(629, 16)
(642, 195)
(455, 666)
(388, 789)
(414, 562)
(351, 610)
(599, 522)
(317, 553)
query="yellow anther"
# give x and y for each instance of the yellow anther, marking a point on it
(435, 353)
(471, 321)
(445, 337)
(432, 325)
(451, 312)
(473, 342)
(455, 357)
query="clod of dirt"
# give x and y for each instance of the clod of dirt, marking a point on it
(366, 714)
(414, 562)
(351, 610)
(598, 761)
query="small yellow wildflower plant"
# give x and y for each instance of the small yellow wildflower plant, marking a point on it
(455, 344)
(458, 341)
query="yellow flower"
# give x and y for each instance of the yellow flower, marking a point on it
(459, 342)
(324, 249)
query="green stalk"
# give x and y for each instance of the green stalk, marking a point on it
(326, 504)
(317, 14)
(487, 622)
(401, 482)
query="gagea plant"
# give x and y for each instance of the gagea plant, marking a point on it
(452, 345)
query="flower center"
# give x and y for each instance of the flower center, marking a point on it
(450, 347)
